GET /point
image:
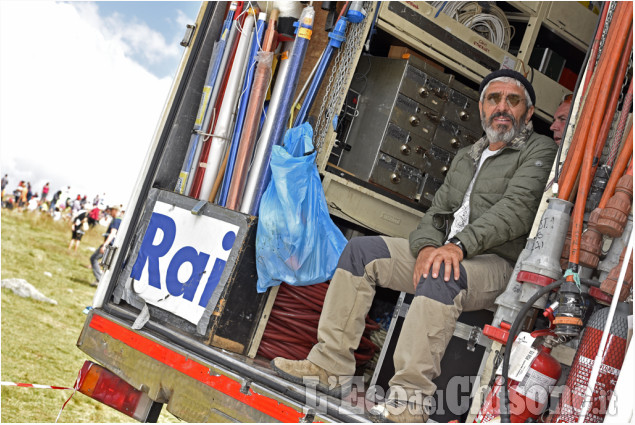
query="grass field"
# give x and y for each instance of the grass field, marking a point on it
(38, 339)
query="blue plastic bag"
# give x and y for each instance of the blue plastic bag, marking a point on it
(297, 242)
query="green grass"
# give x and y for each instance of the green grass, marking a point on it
(38, 339)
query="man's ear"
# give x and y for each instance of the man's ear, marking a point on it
(530, 112)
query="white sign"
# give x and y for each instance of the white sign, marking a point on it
(181, 260)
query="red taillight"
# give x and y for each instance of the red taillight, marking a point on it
(106, 387)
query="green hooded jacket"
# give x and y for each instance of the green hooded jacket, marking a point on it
(503, 202)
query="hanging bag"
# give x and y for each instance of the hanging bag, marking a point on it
(296, 242)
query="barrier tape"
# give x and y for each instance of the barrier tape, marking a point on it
(49, 387)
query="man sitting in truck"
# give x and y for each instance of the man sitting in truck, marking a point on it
(459, 258)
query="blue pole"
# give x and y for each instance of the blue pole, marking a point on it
(203, 116)
(305, 27)
(337, 37)
(242, 107)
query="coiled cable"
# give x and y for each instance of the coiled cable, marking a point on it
(291, 330)
(489, 22)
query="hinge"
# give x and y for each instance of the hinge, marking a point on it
(109, 253)
(189, 33)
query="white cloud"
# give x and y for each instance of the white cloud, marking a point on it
(133, 37)
(74, 108)
(182, 19)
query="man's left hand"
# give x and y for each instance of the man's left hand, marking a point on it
(449, 254)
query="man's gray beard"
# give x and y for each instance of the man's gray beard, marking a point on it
(494, 135)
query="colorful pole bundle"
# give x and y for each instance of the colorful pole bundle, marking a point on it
(298, 53)
(202, 150)
(254, 111)
(242, 108)
(223, 124)
(262, 147)
(204, 111)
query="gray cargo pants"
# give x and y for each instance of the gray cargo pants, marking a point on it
(430, 321)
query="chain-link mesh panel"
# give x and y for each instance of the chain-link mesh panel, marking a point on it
(342, 66)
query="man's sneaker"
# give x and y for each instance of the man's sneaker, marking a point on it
(304, 372)
(393, 410)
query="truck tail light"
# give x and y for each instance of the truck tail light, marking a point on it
(106, 387)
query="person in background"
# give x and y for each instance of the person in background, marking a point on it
(93, 216)
(54, 201)
(45, 192)
(29, 192)
(76, 205)
(17, 193)
(78, 229)
(24, 194)
(560, 119)
(5, 183)
(109, 240)
(56, 214)
(33, 203)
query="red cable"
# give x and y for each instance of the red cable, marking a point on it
(292, 328)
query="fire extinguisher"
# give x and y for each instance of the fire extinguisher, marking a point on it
(572, 397)
(528, 396)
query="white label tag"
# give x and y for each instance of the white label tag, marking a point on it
(536, 386)
(521, 358)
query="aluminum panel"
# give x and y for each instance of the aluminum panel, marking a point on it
(438, 162)
(431, 91)
(421, 121)
(462, 107)
(396, 176)
(405, 145)
(452, 137)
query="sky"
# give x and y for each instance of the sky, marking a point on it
(82, 87)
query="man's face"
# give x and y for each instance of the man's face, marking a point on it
(504, 111)
(559, 121)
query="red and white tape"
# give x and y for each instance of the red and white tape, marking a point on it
(50, 387)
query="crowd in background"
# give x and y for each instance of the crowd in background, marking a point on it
(78, 211)
(61, 205)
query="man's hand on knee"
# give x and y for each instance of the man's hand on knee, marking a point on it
(421, 269)
(430, 259)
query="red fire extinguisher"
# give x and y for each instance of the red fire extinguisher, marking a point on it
(529, 396)
(573, 396)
